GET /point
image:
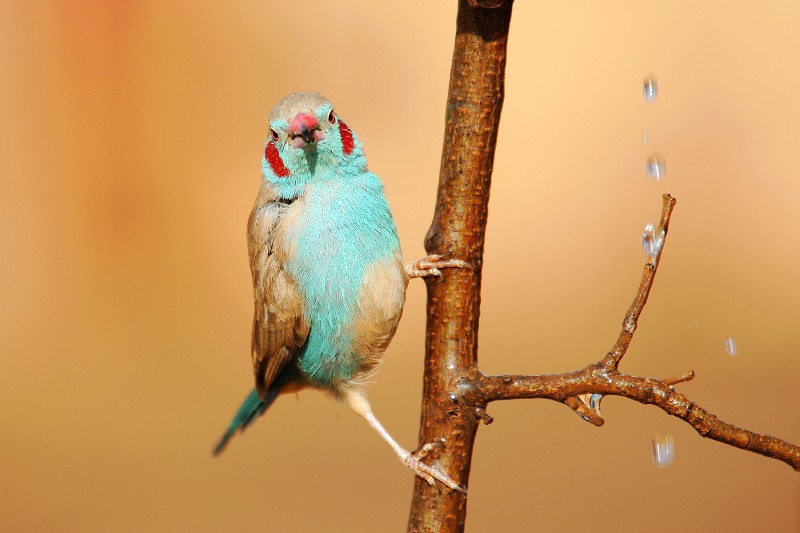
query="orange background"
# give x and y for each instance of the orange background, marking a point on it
(130, 140)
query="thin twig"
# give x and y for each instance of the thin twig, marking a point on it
(613, 358)
(671, 382)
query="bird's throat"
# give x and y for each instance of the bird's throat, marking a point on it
(311, 159)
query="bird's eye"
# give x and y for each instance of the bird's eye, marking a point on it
(273, 134)
(331, 117)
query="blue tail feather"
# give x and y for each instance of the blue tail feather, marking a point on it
(252, 408)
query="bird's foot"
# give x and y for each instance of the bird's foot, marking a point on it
(428, 473)
(432, 265)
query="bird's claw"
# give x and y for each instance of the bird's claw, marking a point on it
(432, 265)
(427, 447)
(429, 473)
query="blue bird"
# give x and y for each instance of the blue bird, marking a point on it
(328, 278)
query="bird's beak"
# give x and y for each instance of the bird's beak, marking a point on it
(305, 131)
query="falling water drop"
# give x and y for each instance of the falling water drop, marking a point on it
(652, 240)
(644, 136)
(656, 166)
(663, 449)
(730, 346)
(650, 88)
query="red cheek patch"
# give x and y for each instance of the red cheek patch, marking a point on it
(275, 162)
(347, 138)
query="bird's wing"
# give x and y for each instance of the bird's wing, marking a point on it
(280, 323)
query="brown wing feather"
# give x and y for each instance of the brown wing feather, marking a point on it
(280, 326)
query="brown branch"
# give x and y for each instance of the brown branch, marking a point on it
(612, 359)
(473, 116)
(455, 393)
(603, 378)
(596, 379)
(688, 376)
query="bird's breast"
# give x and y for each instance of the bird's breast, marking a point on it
(342, 248)
(334, 233)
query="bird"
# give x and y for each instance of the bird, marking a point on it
(328, 277)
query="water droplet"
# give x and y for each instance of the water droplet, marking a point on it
(644, 136)
(663, 449)
(730, 346)
(656, 166)
(592, 401)
(650, 88)
(652, 240)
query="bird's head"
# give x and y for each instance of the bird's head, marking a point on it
(307, 142)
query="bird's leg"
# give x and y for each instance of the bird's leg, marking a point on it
(358, 402)
(432, 265)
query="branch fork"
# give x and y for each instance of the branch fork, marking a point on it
(583, 389)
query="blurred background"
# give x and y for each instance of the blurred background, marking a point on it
(131, 135)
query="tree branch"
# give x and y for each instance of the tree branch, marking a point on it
(595, 379)
(473, 116)
(455, 392)
(603, 378)
(613, 358)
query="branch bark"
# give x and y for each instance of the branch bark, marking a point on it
(455, 393)
(595, 379)
(473, 116)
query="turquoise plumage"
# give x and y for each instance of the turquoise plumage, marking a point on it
(328, 278)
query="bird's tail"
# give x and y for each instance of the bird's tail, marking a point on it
(252, 408)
